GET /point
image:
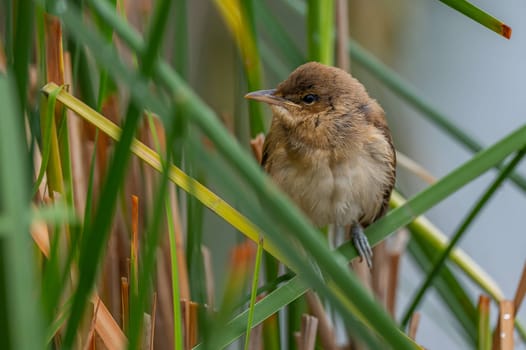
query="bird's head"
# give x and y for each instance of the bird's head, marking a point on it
(314, 92)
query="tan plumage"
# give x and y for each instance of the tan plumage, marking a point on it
(329, 147)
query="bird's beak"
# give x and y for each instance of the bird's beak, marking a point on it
(268, 96)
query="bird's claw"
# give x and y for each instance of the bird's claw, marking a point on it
(362, 244)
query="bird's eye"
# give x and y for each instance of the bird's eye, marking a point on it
(310, 98)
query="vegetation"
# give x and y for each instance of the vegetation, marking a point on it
(111, 161)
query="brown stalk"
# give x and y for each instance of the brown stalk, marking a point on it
(185, 318)
(3, 61)
(256, 338)
(193, 321)
(105, 324)
(342, 31)
(503, 334)
(380, 272)
(417, 169)
(147, 177)
(413, 325)
(484, 304)
(111, 275)
(189, 315)
(54, 51)
(135, 236)
(179, 249)
(106, 327)
(75, 145)
(394, 262)
(39, 232)
(365, 275)
(91, 332)
(483, 309)
(165, 298)
(125, 303)
(110, 109)
(184, 288)
(154, 313)
(307, 337)
(325, 330)
(395, 251)
(55, 73)
(298, 340)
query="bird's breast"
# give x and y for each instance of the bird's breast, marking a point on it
(328, 192)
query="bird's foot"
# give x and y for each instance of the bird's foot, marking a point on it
(361, 244)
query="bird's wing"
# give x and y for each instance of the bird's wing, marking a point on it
(392, 178)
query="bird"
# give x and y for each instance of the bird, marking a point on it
(329, 148)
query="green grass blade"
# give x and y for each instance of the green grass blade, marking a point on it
(178, 325)
(94, 241)
(148, 253)
(253, 293)
(169, 210)
(261, 219)
(263, 309)
(271, 328)
(437, 241)
(449, 289)
(180, 49)
(7, 8)
(289, 216)
(459, 233)
(82, 74)
(148, 60)
(154, 37)
(480, 16)
(47, 111)
(480, 163)
(24, 328)
(320, 30)
(22, 43)
(106, 85)
(194, 241)
(483, 319)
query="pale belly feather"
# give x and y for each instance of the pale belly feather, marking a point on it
(339, 194)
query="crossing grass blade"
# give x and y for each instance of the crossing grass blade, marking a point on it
(21, 321)
(478, 15)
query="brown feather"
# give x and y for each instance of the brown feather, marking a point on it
(329, 147)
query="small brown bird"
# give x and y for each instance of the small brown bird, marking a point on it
(329, 148)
